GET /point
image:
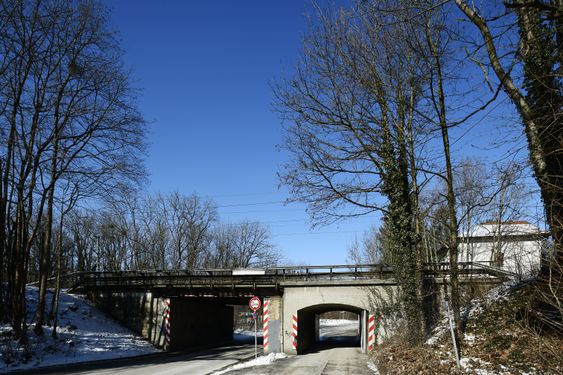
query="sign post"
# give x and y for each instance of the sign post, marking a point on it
(254, 305)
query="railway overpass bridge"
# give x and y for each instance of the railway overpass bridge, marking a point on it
(194, 308)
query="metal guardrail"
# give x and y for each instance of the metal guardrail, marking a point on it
(67, 280)
(227, 279)
(468, 268)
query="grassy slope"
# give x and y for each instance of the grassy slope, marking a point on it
(497, 340)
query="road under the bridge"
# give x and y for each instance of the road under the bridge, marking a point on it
(209, 322)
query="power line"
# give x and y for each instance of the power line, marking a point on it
(250, 204)
(314, 233)
(242, 194)
(264, 211)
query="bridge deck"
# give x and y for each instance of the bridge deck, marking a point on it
(270, 281)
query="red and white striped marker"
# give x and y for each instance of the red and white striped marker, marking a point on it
(167, 325)
(371, 332)
(294, 331)
(265, 317)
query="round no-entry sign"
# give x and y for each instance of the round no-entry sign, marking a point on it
(254, 303)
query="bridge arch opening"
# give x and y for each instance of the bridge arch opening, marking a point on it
(331, 325)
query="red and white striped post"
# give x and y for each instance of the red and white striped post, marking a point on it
(294, 331)
(265, 317)
(167, 325)
(371, 332)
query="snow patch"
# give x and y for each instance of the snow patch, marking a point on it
(438, 332)
(241, 332)
(336, 322)
(496, 294)
(474, 364)
(260, 361)
(85, 334)
(470, 339)
(373, 367)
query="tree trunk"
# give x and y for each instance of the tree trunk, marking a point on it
(46, 249)
(55, 305)
(452, 216)
(544, 129)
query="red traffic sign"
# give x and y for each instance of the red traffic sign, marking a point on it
(254, 303)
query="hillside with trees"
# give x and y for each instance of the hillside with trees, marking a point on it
(72, 148)
(382, 93)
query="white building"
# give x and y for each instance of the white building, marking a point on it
(515, 246)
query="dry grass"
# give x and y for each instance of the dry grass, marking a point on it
(499, 339)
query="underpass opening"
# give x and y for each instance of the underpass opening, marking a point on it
(327, 326)
(203, 322)
(243, 324)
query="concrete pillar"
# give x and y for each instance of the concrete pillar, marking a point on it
(317, 327)
(275, 324)
(364, 331)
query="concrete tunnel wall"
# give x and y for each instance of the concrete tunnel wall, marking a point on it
(298, 299)
(143, 313)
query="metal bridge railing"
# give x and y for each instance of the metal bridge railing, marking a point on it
(271, 277)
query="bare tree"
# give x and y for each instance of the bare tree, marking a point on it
(245, 244)
(350, 108)
(68, 109)
(191, 221)
(374, 248)
(253, 246)
(529, 72)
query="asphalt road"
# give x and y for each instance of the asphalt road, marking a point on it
(204, 362)
(340, 333)
(336, 354)
(333, 361)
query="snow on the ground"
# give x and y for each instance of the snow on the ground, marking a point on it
(373, 367)
(241, 334)
(498, 293)
(336, 322)
(260, 361)
(476, 365)
(438, 332)
(84, 334)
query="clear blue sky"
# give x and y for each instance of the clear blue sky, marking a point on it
(205, 69)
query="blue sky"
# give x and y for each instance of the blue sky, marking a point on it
(205, 70)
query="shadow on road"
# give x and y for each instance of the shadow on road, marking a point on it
(330, 342)
(202, 353)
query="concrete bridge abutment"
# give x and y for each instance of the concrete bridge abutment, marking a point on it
(302, 305)
(143, 313)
